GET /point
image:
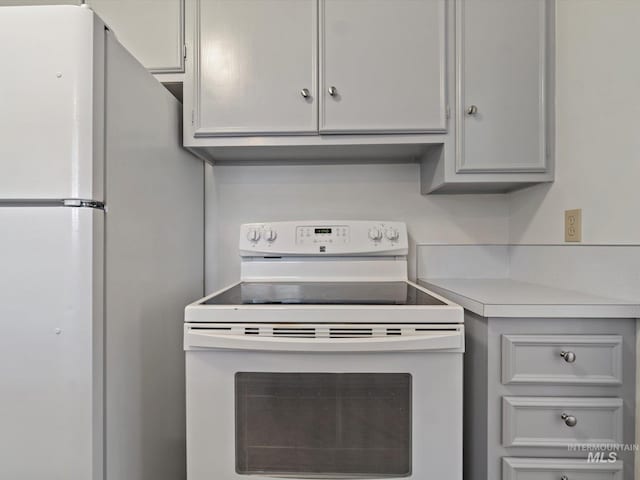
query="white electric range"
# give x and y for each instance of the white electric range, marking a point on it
(324, 361)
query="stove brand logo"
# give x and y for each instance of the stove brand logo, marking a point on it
(323, 249)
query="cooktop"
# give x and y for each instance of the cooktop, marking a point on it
(323, 293)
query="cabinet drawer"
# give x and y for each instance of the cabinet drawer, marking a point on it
(562, 359)
(559, 469)
(549, 421)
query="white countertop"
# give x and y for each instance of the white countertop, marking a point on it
(505, 297)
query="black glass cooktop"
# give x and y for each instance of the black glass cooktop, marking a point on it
(323, 293)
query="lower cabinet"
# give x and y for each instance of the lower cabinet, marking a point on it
(558, 469)
(549, 398)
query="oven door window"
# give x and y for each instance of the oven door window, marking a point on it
(331, 424)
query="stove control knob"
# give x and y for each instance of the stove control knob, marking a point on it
(391, 234)
(253, 235)
(375, 234)
(270, 235)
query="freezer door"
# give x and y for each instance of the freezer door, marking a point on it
(52, 102)
(51, 316)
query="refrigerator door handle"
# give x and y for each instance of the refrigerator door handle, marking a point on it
(52, 202)
(79, 203)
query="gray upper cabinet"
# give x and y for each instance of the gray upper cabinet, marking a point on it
(255, 67)
(501, 85)
(152, 30)
(504, 106)
(465, 87)
(382, 66)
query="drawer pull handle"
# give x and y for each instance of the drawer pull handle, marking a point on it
(569, 420)
(569, 357)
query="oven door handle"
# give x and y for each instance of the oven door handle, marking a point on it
(196, 339)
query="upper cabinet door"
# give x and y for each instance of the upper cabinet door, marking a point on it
(382, 65)
(255, 68)
(502, 85)
(152, 30)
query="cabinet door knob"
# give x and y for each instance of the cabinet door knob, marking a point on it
(564, 477)
(333, 91)
(472, 110)
(569, 420)
(305, 92)
(569, 357)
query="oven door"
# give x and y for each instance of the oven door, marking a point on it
(324, 401)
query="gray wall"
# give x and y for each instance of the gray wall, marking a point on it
(598, 146)
(238, 194)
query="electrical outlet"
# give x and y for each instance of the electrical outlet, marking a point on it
(573, 225)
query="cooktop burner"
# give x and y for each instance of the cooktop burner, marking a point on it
(323, 293)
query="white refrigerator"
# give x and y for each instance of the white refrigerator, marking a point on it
(101, 247)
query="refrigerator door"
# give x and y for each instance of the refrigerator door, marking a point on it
(51, 315)
(51, 104)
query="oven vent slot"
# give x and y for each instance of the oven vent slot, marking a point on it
(302, 332)
(436, 330)
(350, 332)
(394, 331)
(252, 331)
(209, 328)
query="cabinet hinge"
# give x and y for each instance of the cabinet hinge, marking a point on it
(184, 51)
(447, 111)
(193, 117)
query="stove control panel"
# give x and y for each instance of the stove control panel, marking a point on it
(330, 234)
(318, 238)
